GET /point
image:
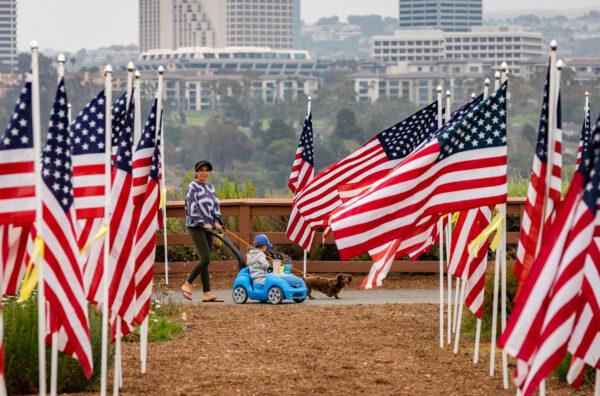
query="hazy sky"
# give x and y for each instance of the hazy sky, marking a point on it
(73, 24)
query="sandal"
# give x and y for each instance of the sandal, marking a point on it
(214, 299)
(187, 294)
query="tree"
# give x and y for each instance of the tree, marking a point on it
(278, 129)
(346, 126)
(223, 143)
(279, 157)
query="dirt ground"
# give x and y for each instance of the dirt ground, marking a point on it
(224, 280)
(300, 349)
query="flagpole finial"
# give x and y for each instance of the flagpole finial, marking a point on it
(487, 82)
(33, 44)
(439, 89)
(61, 58)
(504, 66)
(108, 69)
(553, 45)
(448, 93)
(497, 75)
(130, 66)
(309, 98)
(161, 69)
(473, 96)
(587, 94)
(560, 64)
(137, 74)
(68, 105)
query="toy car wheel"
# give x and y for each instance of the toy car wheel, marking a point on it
(275, 295)
(299, 300)
(240, 296)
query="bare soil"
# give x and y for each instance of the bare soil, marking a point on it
(299, 349)
(224, 280)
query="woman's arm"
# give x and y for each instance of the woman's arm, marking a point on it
(216, 212)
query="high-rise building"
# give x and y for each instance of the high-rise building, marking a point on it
(8, 35)
(172, 24)
(448, 15)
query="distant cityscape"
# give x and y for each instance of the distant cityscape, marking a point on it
(263, 47)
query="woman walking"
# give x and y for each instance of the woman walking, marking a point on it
(202, 213)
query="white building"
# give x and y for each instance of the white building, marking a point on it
(8, 35)
(448, 15)
(417, 81)
(193, 91)
(171, 24)
(496, 45)
(234, 60)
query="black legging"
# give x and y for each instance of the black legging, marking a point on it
(203, 242)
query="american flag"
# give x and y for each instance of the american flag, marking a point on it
(303, 168)
(544, 312)
(94, 255)
(13, 254)
(122, 230)
(17, 177)
(17, 191)
(145, 241)
(87, 138)
(532, 221)
(584, 344)
(315, 203)
(463, 167)
(62, 270)
(476, 266)
(142, 158)
(586, 131)
(425, 235)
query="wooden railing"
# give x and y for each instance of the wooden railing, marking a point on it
(246, 209)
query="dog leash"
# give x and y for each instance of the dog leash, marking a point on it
(250, 246)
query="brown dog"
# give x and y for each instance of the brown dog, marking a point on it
(330, 287)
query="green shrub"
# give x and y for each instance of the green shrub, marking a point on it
(21, 351)
(163, 321)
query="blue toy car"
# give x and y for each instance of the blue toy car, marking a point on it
(276, 288)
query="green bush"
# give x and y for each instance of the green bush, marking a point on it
(21, 351)
(163, 321)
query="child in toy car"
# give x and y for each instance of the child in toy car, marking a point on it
(257, 260)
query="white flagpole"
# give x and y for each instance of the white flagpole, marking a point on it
(144, 326)
(441, 233)
(497, 77)
(118, 375)
(597, 386)
(463, 287)
(106, 248)
(60, 71)
(305, 261)
(161, 72)
(449, 329)
(504, 77)
(129, 88)
(486, 92)
(37, 131)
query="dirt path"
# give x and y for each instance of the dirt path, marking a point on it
(297, 349)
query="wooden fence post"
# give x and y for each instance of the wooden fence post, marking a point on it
(245, 226)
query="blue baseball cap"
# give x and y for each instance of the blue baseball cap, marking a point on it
(262, 240)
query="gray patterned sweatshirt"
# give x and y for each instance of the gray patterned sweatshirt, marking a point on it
(201, 205)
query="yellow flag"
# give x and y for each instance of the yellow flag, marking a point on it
(163, 197)
(495, 225)
(98, 235)
(31, 275)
